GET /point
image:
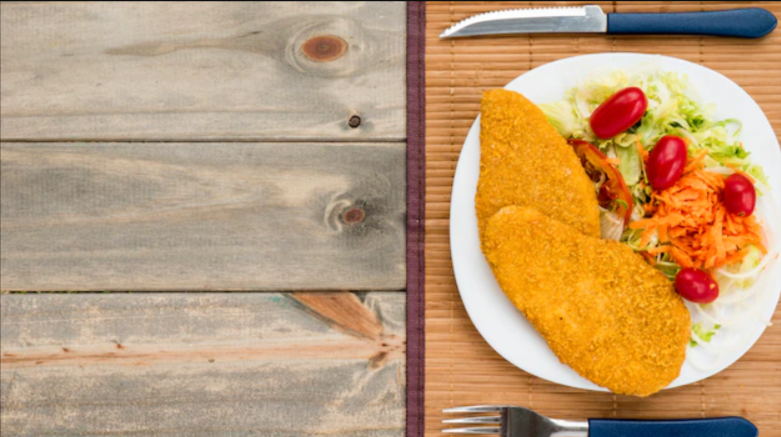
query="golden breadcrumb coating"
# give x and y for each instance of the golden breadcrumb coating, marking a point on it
(525, 161)
(602, 309)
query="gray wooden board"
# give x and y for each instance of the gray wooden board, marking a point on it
(229, 364)
(201, 70)
(202, 216)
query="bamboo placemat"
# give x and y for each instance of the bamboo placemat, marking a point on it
(461, 369)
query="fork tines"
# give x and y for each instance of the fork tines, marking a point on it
(477, 420)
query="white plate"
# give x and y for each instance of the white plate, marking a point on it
(495, 317)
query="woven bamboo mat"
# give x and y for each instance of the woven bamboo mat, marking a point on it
(461, 369)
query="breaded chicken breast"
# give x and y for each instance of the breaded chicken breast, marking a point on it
(525, 161)
(603, 310)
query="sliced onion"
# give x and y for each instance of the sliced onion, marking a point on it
(725, 321)
(751, 273)
(738, 296)
(715, 348)
(706, 368)
(611, 224)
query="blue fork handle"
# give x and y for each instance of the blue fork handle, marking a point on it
(716, 427)
(742, 23)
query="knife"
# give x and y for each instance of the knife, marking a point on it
(742, 23)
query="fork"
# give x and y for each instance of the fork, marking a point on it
(523, 422)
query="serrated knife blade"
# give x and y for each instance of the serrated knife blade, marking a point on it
(741, 23)
(589, 19)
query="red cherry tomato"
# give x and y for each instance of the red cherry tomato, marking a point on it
(666, 162)
(739, 195)
(696, 286)
(618, 113)
(613, 194)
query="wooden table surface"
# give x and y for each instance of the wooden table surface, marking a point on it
(154, 150)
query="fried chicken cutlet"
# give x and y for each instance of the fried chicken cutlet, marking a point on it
(603, 310)
(525, 161)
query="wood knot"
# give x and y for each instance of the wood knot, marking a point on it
(324, 48)
(353, 216)
(354, 122)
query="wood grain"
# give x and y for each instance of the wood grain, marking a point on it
(202, 70)
(230, 364)
(343, 310)
(202, 216)
(461, 369)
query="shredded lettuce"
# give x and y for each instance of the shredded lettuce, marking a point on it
(703, 333)
(565, 119)
(631, 166)
(750, 261)
(672, 110)
(669, 268)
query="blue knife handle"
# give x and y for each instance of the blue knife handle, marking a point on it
(716, 427)
(743, 23)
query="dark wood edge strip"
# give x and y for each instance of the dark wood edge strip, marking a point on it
(416, 99)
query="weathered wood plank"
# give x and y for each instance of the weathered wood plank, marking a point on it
(202, 70)
(229, 364)
(202, 216)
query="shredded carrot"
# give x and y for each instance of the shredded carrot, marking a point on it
(662, 231)
(645, 237)
(691, 217)
(671, 219)
(693, 163)
(648, 257)
(643, 223)
(736, 256)
(614, 161)
(680, 257)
